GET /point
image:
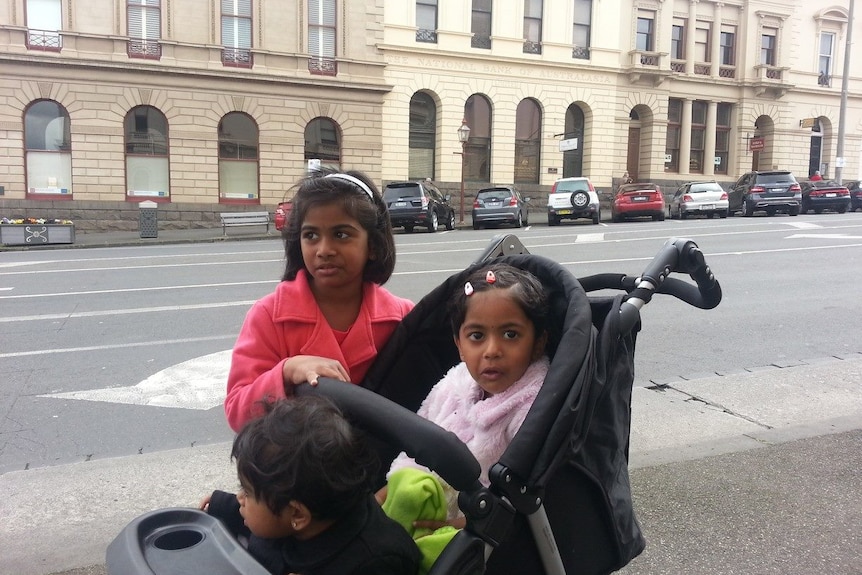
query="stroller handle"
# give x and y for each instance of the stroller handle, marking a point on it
(426, 442)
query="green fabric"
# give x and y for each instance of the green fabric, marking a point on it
(415, 495)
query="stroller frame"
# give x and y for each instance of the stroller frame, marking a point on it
(559, 499)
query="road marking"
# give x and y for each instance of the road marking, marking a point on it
(127, 290)
(110, 312)
(803, 225)
(231, 337)
(198, 383)
(825, 236)
(586, 238)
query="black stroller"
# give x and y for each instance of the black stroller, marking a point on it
(559, 499)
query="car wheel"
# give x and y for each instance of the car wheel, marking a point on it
(520, 222)
(409, 229)
(723, 214)
(433, 222)
(842, 210)
(683, 215)
(616, 218)
(746, 209)
(579, 199)
(553, 221)
(597, 217)
(770, 212)
(477, 226)
(450, 222)
(818, 210)
(794, 211)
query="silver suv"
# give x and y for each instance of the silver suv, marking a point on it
(573, 198)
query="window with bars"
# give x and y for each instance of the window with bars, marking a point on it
(236, 26)
(44, 23)
(144, 28)
(581, 33)
(323, 142)
(824, 66)
(147, 158)
(722, 136)
(533, 26)
(480, 24)
(238, 158)
(698, 136)
(426, 21)
(322, 19)
(674, 121)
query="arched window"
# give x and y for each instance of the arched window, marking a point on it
(323, 142)
(477, 164)
(147, 170)
(48, 144)
(528, 139)
(573, 160)
(423, 137)
(238, 158)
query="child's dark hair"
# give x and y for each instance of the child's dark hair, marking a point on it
(526, 290)
(326, 187)
(303, 449)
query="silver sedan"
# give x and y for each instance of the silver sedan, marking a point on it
(693, 198)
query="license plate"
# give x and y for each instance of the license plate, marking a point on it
(639, 199)
(831, 195)
(492, 205)
(564, 212)
(399, 205)
(707, 207)
(776, 190)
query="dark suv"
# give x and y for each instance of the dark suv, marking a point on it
(774, 191)
(418, 204)
(855, 188)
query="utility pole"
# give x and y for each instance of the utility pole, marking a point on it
(839, 160)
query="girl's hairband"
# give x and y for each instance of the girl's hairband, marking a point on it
(490, 277)
(353, 180)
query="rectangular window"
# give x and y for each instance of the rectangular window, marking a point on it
(581, 30)
(671, 152)
(728, 46)
(677, 41)
(532, 26)
(768, 45)
(426, 21)
(480, 25)
(321, 37)
(144, 22)
(824, 67)
(645, 38)
(722, 137)
(698, 134)
(701, 42)
(44, 22)
(236, 33)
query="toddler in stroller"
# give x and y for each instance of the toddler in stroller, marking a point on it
(559, 499)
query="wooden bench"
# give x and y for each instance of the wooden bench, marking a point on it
(230, 219)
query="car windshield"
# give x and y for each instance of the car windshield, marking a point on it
(776, 178)
(396, 192)
(572, 186)
(705, 188)
(494, 195)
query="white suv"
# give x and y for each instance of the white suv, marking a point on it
(573, 198)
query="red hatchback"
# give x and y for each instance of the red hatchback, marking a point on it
(282, 212)
(636, 200)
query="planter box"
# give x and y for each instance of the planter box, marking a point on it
(36, 234)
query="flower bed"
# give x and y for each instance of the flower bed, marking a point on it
(36, 231)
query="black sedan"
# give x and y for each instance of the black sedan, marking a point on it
(823, 195)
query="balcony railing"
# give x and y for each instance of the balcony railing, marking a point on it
(428, 36)
(149, 49)
(727, 72)
(824, 80)
(702, 69)
(480, 41)
(47, 40)
(581, 52)
(649, 59)
(237, 57)
(678, 66)
(323, 66)
(531, 47)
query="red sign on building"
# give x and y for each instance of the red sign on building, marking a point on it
(756, 144)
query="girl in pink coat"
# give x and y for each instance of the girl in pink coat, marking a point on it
(499, 324)
(329, 315)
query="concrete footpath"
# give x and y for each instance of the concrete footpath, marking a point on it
(755, 472)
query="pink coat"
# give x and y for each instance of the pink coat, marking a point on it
(288, 322)
(486, 426)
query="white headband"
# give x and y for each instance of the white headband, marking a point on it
(353, 180)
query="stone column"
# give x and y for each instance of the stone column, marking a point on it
(685, 137)
(709, 139)
(715, 42)
(689, 38)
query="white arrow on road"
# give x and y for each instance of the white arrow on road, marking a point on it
(198, 383)
(825, 236)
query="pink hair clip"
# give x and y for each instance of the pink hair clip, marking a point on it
(490, 277)
(468, 289)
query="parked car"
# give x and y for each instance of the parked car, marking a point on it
(638, 200)
(855, 189)
(418, 204)
(500, 205)
(573, 198)
(819, 195)
(772, 192)
(282, 212)
(698, 198)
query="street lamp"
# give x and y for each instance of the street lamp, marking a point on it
(463, 136)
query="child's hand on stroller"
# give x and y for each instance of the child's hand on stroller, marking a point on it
(307, 368)
(457, 523)
(205, 503)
